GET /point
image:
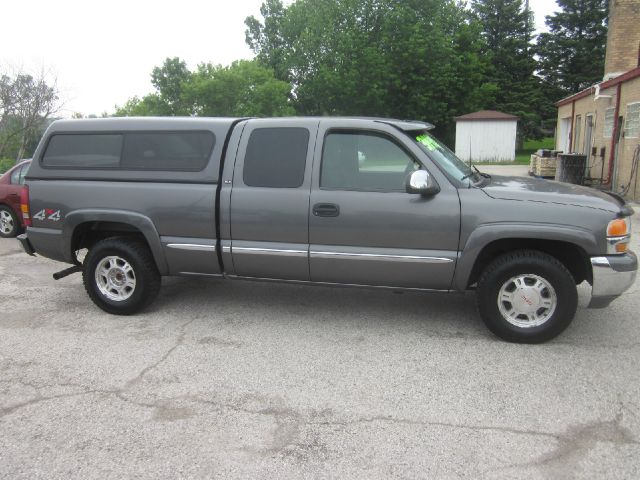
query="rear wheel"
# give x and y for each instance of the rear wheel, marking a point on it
(121, 276)
(9, 226)
(527, 297)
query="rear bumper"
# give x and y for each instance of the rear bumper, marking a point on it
(612, 276)
(26, 244)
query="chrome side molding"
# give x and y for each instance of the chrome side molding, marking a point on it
(270, 251)
(192, 246)
(382, 257)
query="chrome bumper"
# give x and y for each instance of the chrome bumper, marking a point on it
(612, 276)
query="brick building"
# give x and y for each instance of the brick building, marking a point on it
(603, 121)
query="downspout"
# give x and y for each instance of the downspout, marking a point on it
(614, 136)
(573, 111)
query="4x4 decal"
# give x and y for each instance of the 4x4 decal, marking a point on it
(48, 214)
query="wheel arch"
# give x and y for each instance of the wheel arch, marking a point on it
(570, 246)
(83, 228)
(10, 207)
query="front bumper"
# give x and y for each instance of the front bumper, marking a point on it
(612, 276)
(26, 244)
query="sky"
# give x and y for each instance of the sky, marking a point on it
(102, 53)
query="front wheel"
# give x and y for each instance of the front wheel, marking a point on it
(120, 275)
(527, 296)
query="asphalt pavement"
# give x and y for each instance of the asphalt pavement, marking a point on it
(222, 379)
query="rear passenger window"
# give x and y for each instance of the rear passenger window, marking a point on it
(276, 157)
(84, 151)
(167, 151)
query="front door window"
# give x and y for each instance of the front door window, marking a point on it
(364, 162)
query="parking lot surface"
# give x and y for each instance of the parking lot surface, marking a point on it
(223, 379)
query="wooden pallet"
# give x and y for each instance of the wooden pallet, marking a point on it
(543, 166)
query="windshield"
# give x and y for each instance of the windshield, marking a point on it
(444, 157)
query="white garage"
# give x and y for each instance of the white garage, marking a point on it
(486, 136)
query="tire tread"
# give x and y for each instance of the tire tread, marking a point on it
(148, 270)
(535, 259)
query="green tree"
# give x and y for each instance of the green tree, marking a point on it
(151, 105)
(169, 81)
(572, 52)
(26, 104)
(244, 88)
(507, 28)
(407, 59)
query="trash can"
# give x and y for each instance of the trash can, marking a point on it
(570, 168)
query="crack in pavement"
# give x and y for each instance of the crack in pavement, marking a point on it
(576, 442)
(289, 421)
(119, 392)
(285, 436)
(179, 341)
(426, 423)
(39, 399)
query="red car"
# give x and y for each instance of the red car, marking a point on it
(10, 185)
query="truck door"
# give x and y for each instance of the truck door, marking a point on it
(364, 228)
(269, 214)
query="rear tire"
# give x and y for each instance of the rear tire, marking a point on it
(527, 296)
(9, 224)
(120, 275)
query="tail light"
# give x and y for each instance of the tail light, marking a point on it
(24, 206)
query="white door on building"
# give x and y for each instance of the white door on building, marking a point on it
(563, 135)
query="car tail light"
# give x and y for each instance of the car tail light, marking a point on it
(24, 205)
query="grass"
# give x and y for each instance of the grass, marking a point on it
(6, 164)
(523, 157)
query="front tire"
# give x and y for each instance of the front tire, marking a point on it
(9, 225)
(527, 296)
(120, 275)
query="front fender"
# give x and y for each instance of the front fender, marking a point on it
(485, 234)
(136, 220)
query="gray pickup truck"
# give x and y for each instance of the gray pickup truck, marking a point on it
(327, 201)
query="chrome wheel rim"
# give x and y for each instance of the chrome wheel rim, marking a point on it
(527, 300)
(6, 222)
(115, 278)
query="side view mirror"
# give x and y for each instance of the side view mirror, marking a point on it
(420, 181)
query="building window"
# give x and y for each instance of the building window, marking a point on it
(632, 123)
(576, 137)
(609, 115)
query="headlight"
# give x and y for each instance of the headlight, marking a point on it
(618, 235)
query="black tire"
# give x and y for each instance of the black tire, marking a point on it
(144, 273)
(530, 269)
(9, 224)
